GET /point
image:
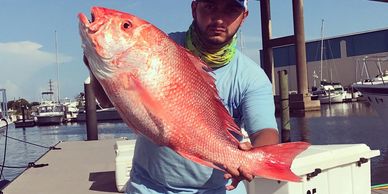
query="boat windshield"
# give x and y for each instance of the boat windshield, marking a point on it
(319, 92)
(54, 108)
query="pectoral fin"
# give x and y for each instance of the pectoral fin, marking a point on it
(151, 104)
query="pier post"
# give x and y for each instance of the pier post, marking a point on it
(90, 107)
(300, 47)
(3, 105)
(266, 31)
(301, 101)
(285, 108)
(23, 107)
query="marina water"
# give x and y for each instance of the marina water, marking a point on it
(344, 123)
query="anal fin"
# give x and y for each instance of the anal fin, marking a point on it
(199, 160)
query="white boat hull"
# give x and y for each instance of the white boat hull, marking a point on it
(49, 119)
(377, 96)
(330, 93)
(107, 114)
(337, 98)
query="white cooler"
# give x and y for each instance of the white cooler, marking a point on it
(325, 169)
(124, 152)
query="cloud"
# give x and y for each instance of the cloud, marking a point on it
(21, 62)
(27, 54)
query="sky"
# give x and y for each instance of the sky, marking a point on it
(30, 29)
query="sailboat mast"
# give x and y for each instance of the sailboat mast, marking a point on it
(56, 61)
(50, 90)
(322, 47)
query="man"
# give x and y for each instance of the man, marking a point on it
(246, 93)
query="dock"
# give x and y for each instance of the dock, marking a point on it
(79, 167)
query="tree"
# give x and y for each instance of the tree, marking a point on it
(34, 104)
(17, 104)
(80, 99)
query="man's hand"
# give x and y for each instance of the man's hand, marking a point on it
(263, 137)
(239, 174)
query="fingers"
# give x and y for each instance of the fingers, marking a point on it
(234, 184)
(237, 175)
(227, 176)
(232, 171)
(245, 146)
(246, 176)
(239, 172)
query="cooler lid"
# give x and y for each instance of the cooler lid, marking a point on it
(124, 145)
(330, 156)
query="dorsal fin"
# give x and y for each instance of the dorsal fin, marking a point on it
(203, 69)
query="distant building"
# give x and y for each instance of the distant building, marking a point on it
(343, 58)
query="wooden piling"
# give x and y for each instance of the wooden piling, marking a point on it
(285, 108)
(90, 107)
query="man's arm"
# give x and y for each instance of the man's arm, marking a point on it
(267, 136)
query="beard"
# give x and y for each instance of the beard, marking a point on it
(214, 37)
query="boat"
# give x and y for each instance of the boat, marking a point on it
(375, 90)
(24, 120)
(102, 114)
(329, 92)
(49, 112)
(71, 110)
(23, 124)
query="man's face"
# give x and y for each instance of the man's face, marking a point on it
(217, 20)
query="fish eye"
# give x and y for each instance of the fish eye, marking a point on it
(127, 25)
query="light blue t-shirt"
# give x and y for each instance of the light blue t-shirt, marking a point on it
(246, 93)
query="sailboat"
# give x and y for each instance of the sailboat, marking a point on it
(327, 92)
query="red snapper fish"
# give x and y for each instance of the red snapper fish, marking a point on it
(165, 93)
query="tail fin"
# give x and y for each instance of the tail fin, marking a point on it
(277, 161)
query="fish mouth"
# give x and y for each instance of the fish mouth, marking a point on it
(92, 25)
(89, 28)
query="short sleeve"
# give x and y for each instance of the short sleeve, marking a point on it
(257, 105)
